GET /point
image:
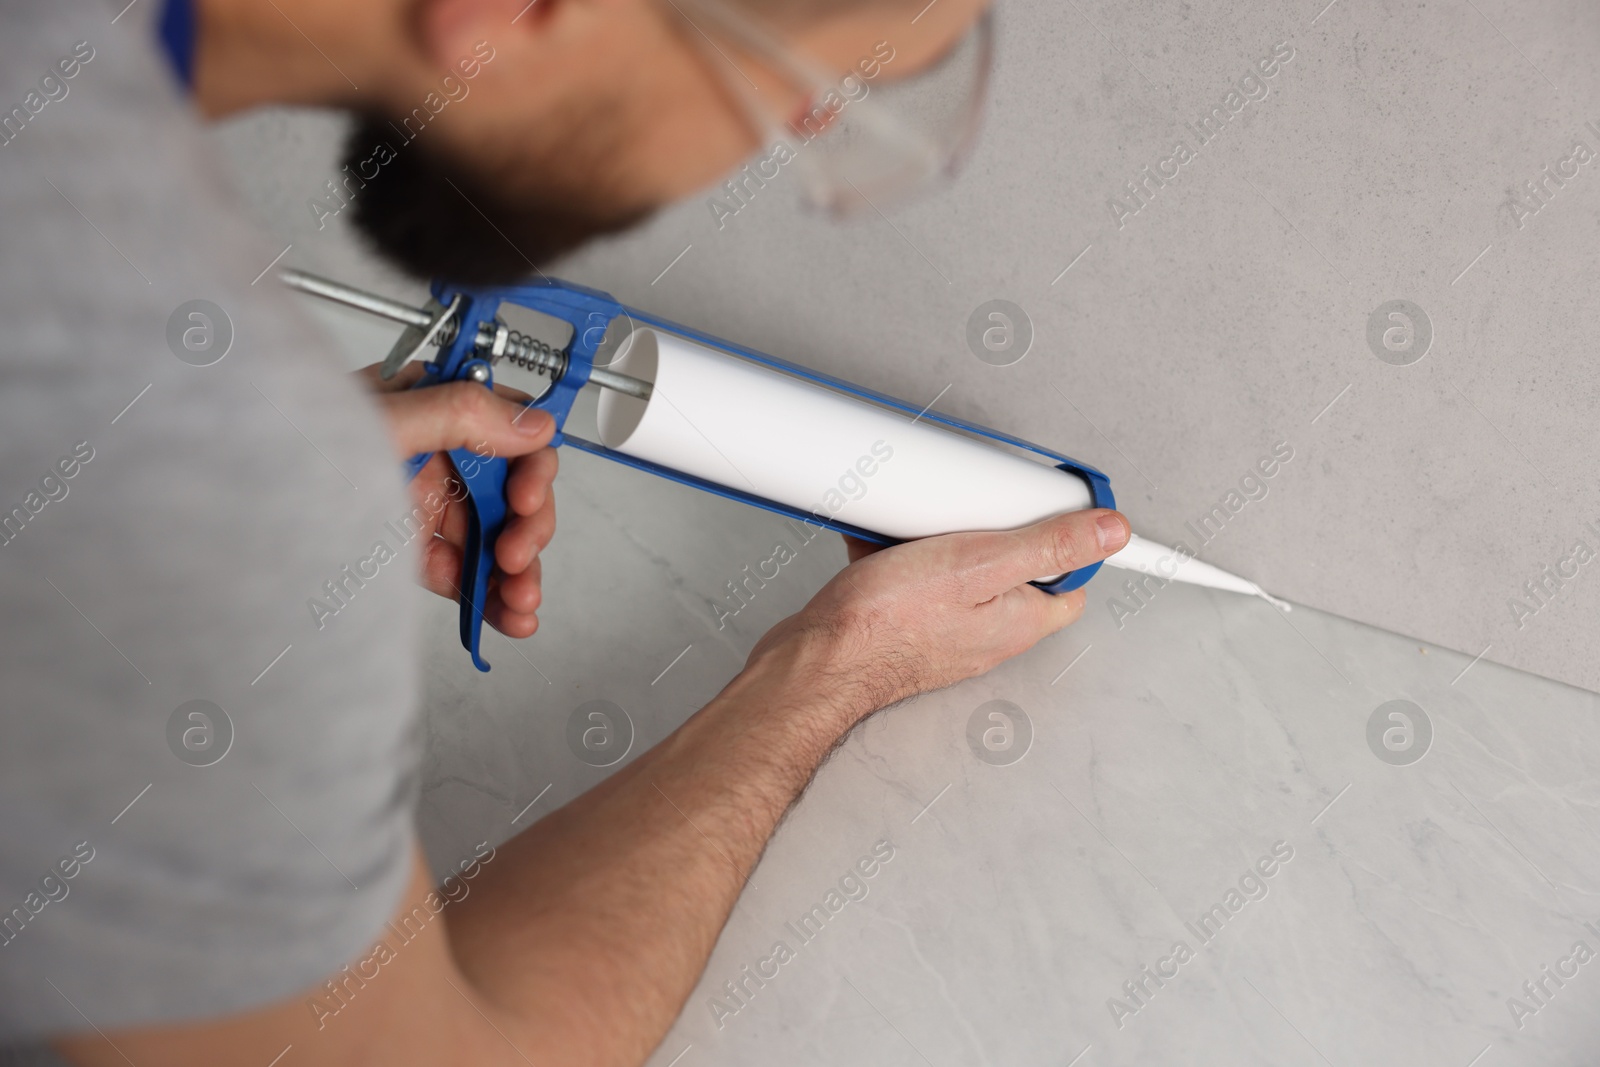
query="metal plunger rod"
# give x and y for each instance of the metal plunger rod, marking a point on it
(360, 299)
(621, 383)
(382, 306)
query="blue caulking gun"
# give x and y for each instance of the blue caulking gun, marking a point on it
(464, 324)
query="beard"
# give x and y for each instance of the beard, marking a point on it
(431, 216)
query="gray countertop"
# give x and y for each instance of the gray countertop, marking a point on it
(1244, 301)
(1159, 763)
(1139, 772)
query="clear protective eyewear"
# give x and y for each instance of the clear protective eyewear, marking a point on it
(858, 142)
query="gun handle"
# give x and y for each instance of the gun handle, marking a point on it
(485, 481)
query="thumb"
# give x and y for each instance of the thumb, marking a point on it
(1055, 546)
(464, 415)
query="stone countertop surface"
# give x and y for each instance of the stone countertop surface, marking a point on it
(1070, 819)
(1344, 259)
(1061, 834)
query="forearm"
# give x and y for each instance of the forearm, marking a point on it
(581, 941)
(591, 928)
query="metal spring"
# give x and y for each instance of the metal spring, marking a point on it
(532, 354)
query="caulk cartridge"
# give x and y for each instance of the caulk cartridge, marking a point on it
(828, 452)
(727, 419)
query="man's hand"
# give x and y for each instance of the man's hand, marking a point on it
(466, 415)
(927, 614)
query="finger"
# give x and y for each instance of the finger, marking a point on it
(524, 537)
(454, 523)
(439, 473)
(441, 568)
(528, 484)
(464, 415)
(1055, 546)
(511, 623)
(1037, 614)
(521, 593)
(856, 548)
(441, 574)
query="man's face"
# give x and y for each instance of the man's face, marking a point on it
(593, 113)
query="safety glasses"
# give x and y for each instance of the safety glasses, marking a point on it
(859, 140)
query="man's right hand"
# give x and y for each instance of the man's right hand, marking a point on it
(465, 415)
(927, 614)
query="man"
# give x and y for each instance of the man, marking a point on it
(208, 790)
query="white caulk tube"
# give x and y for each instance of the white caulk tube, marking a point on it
(746, 426)
(740, 424)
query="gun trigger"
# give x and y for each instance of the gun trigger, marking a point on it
(414, 339)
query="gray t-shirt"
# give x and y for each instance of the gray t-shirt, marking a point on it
(165, 529)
